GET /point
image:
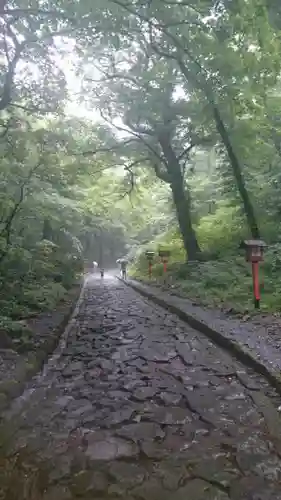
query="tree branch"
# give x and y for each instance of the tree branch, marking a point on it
(11, 67)
(114, 76)
(185, 152)
(158, 25)
(139, 138)
(5, 99)
(139, 129)
(35, 12)
(104, 150)
(129, 169)
(6, 127)
(30, 109)
(6, 231)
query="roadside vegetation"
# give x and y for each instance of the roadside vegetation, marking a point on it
(223, 281)
(183, 148)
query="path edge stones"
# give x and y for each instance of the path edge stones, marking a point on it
(236, 349)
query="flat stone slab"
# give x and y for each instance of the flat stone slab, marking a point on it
(107, 447)
(142, 431)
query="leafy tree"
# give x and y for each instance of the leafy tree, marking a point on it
(161, 128)
(189, 97)
(213, 47)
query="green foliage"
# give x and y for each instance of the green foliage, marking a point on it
(225, 279)
(15, 328)
(14, 334)
(48, 214)
(72, 190)
(220, 233)
(43, 296)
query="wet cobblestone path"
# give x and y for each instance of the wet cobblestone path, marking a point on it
(141, 406)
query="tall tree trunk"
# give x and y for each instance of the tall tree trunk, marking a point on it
(181, 200)
(47, 232)
(222, 130)
(238, 176)
(182, 204)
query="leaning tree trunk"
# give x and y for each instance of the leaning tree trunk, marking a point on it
(222, 130)
(47, 232)
(182, 204)
(238, 176)
(181, 200)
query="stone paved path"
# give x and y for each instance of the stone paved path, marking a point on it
(140, 406)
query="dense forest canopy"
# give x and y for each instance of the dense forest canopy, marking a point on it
(176, 137)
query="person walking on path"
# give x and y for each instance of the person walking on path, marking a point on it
(124, 269)
(101, 268)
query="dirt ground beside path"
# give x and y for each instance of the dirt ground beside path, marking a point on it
(17, 368)
(141, 406)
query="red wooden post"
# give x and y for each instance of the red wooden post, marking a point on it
(164, 255)
(149, 255)
(256, 285)
(254, 254)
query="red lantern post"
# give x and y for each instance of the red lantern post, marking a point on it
(254, 254)
(164, 255)
(149, 255)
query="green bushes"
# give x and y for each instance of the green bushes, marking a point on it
(33, 280)
(43, 296)
(225, 279)
(220, 233)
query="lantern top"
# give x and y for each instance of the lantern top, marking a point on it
(164, 253)
(149, 254)
(253, 243)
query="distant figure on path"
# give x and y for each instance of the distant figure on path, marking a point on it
(124, 269)
(102, 273)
